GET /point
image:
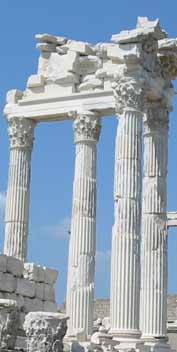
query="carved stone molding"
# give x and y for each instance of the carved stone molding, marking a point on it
(21, 132)
(87, 127)
(129, 93)
(45, 331)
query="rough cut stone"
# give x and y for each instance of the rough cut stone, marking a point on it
(88, 64)
(15, 266)
(80, 47)
(46, 47)
(33, 305)
(91, 84)
(45, 331)
(39, 293)
(50, 276)
(35, 81)
(58, 64)
(143, 29)
(41, 274)
(168, 44)
(125, 52)
(48, 38)
(25, 288)
(7, 282)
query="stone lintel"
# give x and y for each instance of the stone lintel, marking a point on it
(45, 108)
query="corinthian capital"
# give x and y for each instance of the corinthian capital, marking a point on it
(86, 127)
(129, 93)
(21, 132)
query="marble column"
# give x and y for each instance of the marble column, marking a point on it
(81, 263)
(154, 226)
(125, 257)
(21, 135)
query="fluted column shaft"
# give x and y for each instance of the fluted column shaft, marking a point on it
(154, 226)
(125, 257)
(21, 132)
(126, 231)
(81, 265)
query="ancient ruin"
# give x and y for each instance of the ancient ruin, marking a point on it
(131, 78)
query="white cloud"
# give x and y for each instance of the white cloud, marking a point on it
(61, 230)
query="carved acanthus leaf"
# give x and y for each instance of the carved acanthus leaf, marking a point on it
(129, 93)
(86, 127)
(21, 132)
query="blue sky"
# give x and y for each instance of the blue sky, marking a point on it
(53, 155)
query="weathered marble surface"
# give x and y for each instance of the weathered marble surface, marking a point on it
(81, 262)
(9, 324)
(128, 76)
(45, 331)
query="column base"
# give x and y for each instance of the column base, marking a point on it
(78, 336)
(127, 339)
(157, 345)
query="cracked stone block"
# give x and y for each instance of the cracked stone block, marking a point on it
(33, 305)
(25, 288)
(7, 282)
(51, 276)
(15, 266)
(49, 293)
(39, 290)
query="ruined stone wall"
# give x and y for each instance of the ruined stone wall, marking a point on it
(32, 286)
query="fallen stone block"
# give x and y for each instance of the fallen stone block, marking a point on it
(25, 288)
(91, 84)
(46, 47)
(8, 282)
(35, 81)
(48, 38)
(15, 266)
(80, 47)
